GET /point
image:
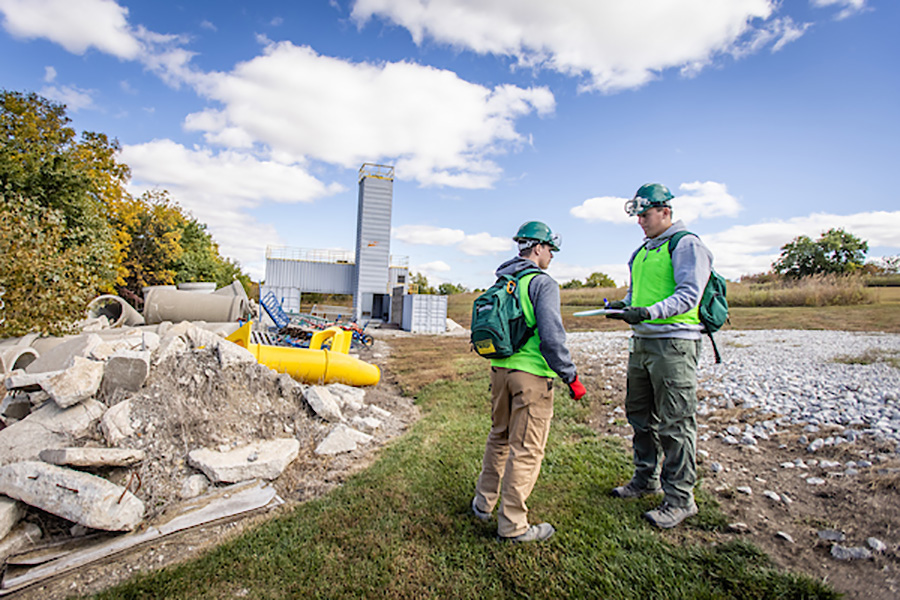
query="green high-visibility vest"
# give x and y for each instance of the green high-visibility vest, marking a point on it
(653, 279)
(529, 357)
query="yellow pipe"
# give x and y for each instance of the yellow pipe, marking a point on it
(310, 365)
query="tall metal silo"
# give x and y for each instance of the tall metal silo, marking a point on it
(371, 298)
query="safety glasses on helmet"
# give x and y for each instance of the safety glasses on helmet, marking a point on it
(638, 205)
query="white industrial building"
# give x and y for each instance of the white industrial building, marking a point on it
(378, 281)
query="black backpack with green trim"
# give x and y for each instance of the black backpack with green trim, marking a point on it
(498, 321)
(713, 307)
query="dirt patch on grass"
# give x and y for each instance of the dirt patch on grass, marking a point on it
(858, 506)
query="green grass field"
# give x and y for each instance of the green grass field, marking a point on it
(402, 527)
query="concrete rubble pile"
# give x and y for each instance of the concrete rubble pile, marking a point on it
(110, 429)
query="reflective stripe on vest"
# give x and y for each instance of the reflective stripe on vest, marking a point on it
(653, 279)
(529, 357)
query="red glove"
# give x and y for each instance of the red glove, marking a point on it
(576, 390)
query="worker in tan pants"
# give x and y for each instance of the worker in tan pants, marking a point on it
(522, 394)
(521, 409)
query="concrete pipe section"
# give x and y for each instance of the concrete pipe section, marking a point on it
(16, 357)
(117, 310)
(176, 306)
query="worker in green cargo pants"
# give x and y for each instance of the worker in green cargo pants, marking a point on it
(661, 405)
(661, 400)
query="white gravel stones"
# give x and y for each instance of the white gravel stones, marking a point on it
(792, 373)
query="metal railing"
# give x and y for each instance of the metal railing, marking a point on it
(327, 256)
(310, 254)
(377, 171)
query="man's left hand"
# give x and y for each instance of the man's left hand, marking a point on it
(632, 315)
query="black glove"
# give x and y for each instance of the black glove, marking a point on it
(616, 304)
(632, 315)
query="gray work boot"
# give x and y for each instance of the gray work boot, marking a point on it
(633, 490)
(668, 516)
(535, 533)
(484, 516)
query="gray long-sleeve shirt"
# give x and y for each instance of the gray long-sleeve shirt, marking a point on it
(543, 291)
(691, 265)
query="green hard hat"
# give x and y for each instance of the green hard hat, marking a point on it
(649, 195)
(535, 230)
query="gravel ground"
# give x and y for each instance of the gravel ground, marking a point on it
(809, 378)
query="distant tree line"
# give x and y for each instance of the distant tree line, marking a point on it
(835, 252)
(594, 280)
(69, 229)
(419, 283)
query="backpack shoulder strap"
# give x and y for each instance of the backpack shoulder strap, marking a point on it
(676, 237)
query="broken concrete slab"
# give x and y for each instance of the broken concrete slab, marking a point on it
(23, 536)
(80, 497)
(125, 370)
(259, 460)
(194, 486)
(323, 403)
(378, 412)
(92, 457)
(222, 504)
(342, 439)
(47, 427)
(231, 354)
(11, 512)
(116, 423)
(348, 396)
(27, 382)
(62, 355)
(76, 384)
(366, 424)
(15, 407)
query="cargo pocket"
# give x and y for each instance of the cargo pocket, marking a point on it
(540, 412)
(679, 401)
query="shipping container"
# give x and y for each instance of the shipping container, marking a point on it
(425, 313)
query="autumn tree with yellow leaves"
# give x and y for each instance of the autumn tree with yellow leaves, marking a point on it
(70, 230)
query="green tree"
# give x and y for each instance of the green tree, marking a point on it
(596, 280)
(46, 285)
(448, 289)
(835, 252)
(421, 284)
(573, 284)
(41, 161)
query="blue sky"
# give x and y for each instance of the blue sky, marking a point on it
(766, 119)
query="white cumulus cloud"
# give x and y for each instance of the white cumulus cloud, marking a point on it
(847, 8)
(218, 189)
(611, 45)
(76, 25)
(699, 199)
(435, 127)
(428, 235)
(747, 249)
(480, 244)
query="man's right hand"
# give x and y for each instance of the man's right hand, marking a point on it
(619, 304)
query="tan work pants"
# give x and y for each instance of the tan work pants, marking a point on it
(521, 410)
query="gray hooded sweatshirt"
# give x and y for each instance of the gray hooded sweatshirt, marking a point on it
(543, 291)
(691, 265)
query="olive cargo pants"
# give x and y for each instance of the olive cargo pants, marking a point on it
(521, 410)
(661, 406)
